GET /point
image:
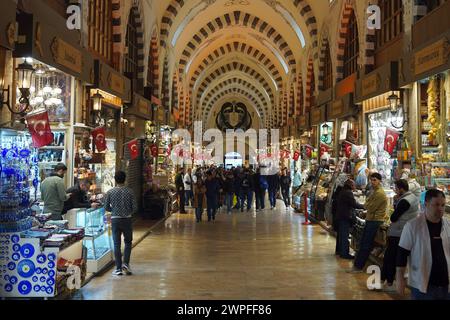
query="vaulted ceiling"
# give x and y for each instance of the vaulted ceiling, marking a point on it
(246, 50)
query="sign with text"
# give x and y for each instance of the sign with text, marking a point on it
(66, 55)
(431, 57)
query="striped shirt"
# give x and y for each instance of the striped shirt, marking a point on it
(121, 202)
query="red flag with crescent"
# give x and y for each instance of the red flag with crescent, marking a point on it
(39, 128)
(133, 147)
(390, 140)
(347, 149)
(296, 155)
(324, 148)
(99, 137)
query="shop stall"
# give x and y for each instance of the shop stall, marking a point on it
(427, 86)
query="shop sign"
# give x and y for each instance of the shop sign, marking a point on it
(143, 107)
(370, 84)
(160, 114)
(337, 108)
(116, 83)
(431, 57)
(316, 116)
(108, 98)
(66, 55)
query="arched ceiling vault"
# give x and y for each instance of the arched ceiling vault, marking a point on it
(232, 67)
(233, 88)
(258, 44)
(235, 81)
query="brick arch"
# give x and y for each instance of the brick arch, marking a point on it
(174, 95)
(234, 66)
(310, 86)
(237, 18)
(299, 97)
(292, 108)
(240, 83)
(306, 12)
(168, 18)
(240, 47)
(135, 13)
(153, 65)
(324, 51)
(165, 85)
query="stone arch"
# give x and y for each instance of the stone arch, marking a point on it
(299, 97)
(237, 46)
(168, 18)
(235, 66)
(324, 51)
(153, 64)
(306, 12)
(242, 19)
(310, 85)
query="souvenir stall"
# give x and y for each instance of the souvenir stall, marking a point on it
(60, 67)
(428, 83)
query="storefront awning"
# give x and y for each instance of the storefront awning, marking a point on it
(429, 59)
(44, 36)
(141, 107)
(109, 80)
(8, 24)
(377, 82)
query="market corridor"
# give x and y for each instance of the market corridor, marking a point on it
(264, 255)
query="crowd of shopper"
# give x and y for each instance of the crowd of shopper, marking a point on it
(236, 188)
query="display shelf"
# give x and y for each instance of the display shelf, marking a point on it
(53, 147)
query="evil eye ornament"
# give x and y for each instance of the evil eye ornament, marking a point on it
(44, 271)
(43, 288)
(8, 287)
(50, 281)
(37, 288)
(51, 257)
(51, 264)
(49, 290)
(16, 257)
(13, 280)
(11, 266)
(6, 278)
(16, 247)
(38, 270)
(42, 279)
(41, 258)
(24, 287)
(51, 273)
(15, 238)
(26, 268)
(35, 279)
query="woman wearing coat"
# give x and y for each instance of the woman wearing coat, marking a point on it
(345, 206)
(199, 197)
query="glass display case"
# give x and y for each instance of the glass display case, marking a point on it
(319, 191)
(97, 240)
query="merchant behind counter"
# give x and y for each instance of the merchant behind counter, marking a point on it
(79, 197)
(53, 192)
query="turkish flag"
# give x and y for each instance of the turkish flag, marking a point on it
(169, 149)
(154, 149)
(39, 128)
(308, 151)
(324, 148)
(296, 155)
(390, 140)
(133, 147)
(347, 149)
(99, 137)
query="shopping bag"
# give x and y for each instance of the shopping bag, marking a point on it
(234, 200)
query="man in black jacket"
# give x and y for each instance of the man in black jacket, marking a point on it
(346, 203)
(179, 184)
(78, 197)
(274, 186)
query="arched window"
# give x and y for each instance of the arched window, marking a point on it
(391, 21)
(131, 58)
(351, 51)
(100, 28)
(327, 69)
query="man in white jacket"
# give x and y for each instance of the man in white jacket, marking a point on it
(426, 240)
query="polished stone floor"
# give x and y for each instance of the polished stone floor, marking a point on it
(264, 255)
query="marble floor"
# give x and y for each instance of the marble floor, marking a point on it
(264, 255)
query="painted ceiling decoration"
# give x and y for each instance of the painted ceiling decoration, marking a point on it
(234, 115)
